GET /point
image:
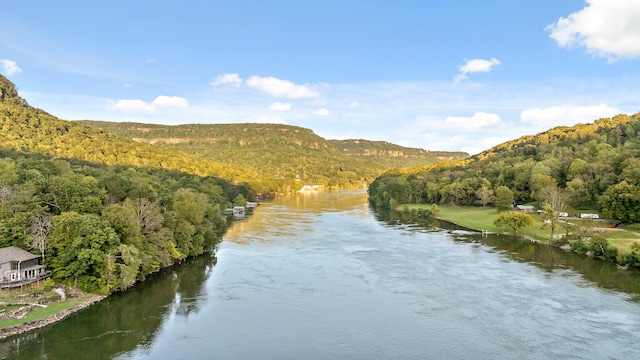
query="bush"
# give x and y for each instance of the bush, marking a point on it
(598, 245)
(48, 284)
(580, 247)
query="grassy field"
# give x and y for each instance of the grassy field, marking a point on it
(478, 218)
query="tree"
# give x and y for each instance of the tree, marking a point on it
(554, 199)
(485, 195)
(622, 202)
(514, 220)
(40, 229)
(239, 200)
(504, 199)
(434, 210)
(79, 247)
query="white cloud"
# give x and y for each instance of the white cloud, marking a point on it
(479, 121)
(10, 67)
(281, 88)
(132, 106)
(170, 101)
(140, 106)
(322, 112)
(476, 65)
(606, 28)
(278, 106)
(566, 115)
(232, 80)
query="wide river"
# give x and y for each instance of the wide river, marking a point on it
(321, 276)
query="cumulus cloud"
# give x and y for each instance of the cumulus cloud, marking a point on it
(231, 80)
(566, 115)
(170, 101)
(128, 105)
(476, 65)
(281, 88)
(140, 106)
(322, 112)
(10, 67)
(479, 121)
(278, 106)
(606, 28)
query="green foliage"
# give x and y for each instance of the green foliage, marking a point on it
(48, 284)
(434, 211)
(592, 166)
(622, 202)
(104, 226)
(284, 157)
(513, 220)
(504, 199)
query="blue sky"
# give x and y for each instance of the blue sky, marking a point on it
(439, 75)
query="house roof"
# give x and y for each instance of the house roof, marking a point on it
(526, 207)
(14, 253)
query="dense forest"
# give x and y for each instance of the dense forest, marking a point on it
(104, 211)
(286, 157)
(596, 165)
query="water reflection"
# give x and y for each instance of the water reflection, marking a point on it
(120, 323)
(323, 276)
(605, 274)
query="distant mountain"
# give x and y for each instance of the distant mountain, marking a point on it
(392, 155)
(287, 157)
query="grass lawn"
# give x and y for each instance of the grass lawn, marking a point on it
(14, 296)
(478, 218)
(43, 313)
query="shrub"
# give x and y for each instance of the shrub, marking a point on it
(48, 284)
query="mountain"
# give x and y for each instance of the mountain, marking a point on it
(31, 130)
(392, 155)
(105, 210)
(287, 157)
(597, 165)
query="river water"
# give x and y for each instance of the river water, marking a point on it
(321, 276)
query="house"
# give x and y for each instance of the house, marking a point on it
(525, 208)
(238, 211)
(20, 267)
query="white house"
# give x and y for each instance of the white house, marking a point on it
(20, 267)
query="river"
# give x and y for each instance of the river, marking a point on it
(321, 276)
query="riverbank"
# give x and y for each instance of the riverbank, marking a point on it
(24, 310)
(481, 219)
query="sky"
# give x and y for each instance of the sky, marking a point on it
(457, 75)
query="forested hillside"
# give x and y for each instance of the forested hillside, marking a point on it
(597, 165)
(32, 130)
(392, 155)
(286, 157)
(104, 211)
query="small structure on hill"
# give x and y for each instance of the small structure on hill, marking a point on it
(19, 267)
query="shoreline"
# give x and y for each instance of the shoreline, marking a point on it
(37, 324)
